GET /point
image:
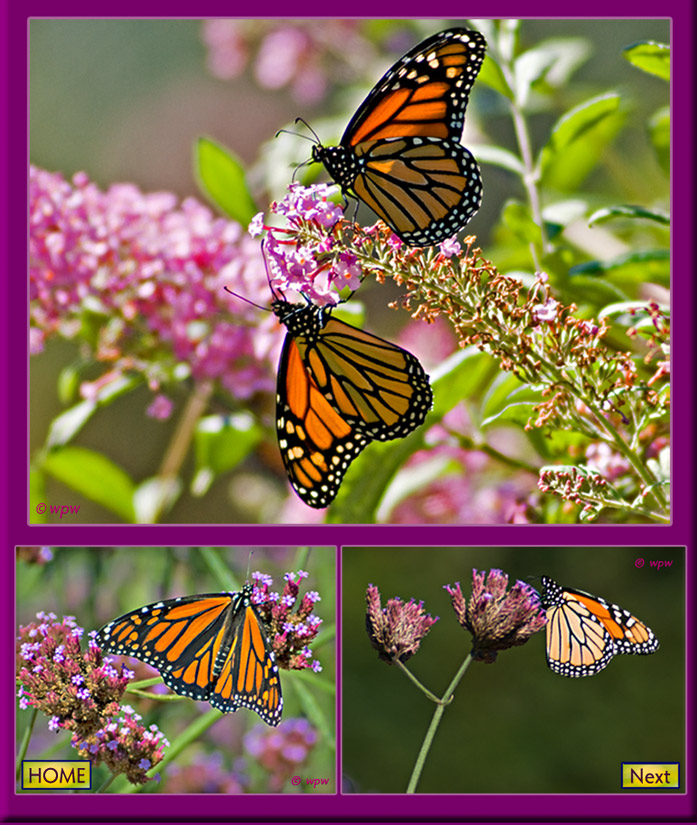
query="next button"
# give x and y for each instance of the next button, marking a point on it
(650, 774)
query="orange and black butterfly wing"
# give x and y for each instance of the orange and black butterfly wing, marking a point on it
(401, 153)
(378, 387)
(248, 676)
(584, 631)
(338, 389)
(424, 189)
(317, 444)
(183, 638)
(424, 94)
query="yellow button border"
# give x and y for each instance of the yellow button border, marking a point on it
(657, 787)
(56, 787)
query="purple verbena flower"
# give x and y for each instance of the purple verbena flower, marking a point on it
(125, 746)
(281, 751)
(291, 626)
(76, 689)
(396, 631)
(497, 618)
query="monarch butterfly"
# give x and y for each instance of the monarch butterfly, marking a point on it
(401, 153)
(212, 647)
(338, 389)
(584, 632)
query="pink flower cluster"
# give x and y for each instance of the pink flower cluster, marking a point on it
(141, 278)
(300, 56)
(317, 267)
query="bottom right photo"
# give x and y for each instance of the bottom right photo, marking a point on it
(494, 670)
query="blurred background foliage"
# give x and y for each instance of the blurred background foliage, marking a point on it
(513, 726)
(96, 584)
(126, 100)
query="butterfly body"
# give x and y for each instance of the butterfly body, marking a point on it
(339, 388)
(211, 647)
(584, 632)
(401, 153)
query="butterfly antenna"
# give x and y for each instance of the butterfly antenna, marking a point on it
(249, 563)
(295, 134)
(309, 128)
(268, 274)
(246, 300)
(300, 165)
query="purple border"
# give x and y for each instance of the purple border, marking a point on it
(286, 807)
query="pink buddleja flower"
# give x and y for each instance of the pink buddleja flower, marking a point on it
(139, 279)
(303, 256)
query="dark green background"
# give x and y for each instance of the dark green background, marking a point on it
(514, 726)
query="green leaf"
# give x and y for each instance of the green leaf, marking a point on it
(527, 69)
(566, 55)
(221, 442)
(659, 133)
(578, 140)
(221, 176)
(501, 35)
(155, 496)
(68, 383)
(94, 476)
(491, 75)
(497, 156)
(516, 217)
(591, 291)
(66, 425)
(632, 212)
(632, 269)
(508, 399)
(465, 374)
(650, 57)
(37, 495)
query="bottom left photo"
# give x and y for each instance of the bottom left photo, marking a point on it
(177, 670)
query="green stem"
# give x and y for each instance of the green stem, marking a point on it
(433, 727)
(418, 684)
(531, 176)
(25, 742)
(481, 446)
(179, 446)
(622, 505)
(106, 783)
(634, 460)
